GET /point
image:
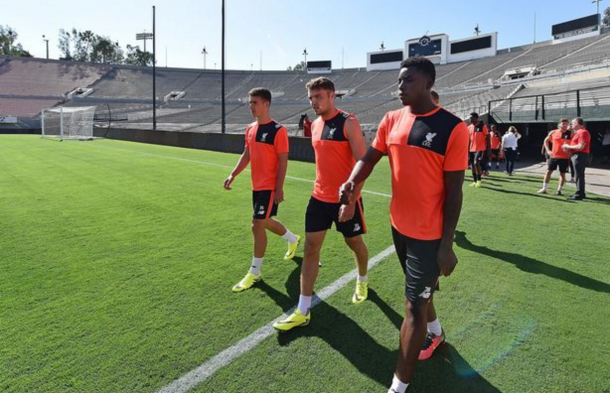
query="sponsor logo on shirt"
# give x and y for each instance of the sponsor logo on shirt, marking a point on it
(428, 141)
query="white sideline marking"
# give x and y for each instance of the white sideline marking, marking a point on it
(224, 358)
(221, 166)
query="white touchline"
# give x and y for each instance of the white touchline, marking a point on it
(226, 357)
(221, 166)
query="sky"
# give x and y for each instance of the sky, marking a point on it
(274, 33)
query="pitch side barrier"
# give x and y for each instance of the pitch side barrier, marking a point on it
(300, 148)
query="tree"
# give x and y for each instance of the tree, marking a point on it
(8, 47)
(299, 67)
(137, 57)
(87, 46)
(607, 16)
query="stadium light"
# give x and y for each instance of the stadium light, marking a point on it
(204, 52)
(47, 43)
(154, 39)
(143, 37)
(597, 1)
(305, 54)
(382, 46)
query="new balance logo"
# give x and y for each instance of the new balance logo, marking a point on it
(356, 227)
(277, 126)
(331, 133)
(261, 210)
(428, 141)
(426, 293)
(264, 137)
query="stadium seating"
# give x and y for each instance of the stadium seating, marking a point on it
(29, 85)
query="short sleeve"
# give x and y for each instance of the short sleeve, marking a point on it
(456, 156)
(281, 141)
(485, 130)
(379, 143)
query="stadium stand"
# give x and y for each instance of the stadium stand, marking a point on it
(123, 93)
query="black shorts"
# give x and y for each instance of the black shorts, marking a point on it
(496, 153)
(561, 163)
(263, 205)
(321, 215)
(477, 156)
(418, 261)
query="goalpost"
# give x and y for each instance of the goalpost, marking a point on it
(68, 123)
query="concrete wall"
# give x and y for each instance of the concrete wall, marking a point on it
(300, 148)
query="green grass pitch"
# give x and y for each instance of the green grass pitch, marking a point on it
(117, 259)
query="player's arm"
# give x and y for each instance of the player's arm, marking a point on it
(488, 142)
(452, 208)
(578, 146)
(281, 176)
(545, 145)
(242, 163)
(362, 170)
(358, 146)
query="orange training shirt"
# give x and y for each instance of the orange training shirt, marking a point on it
(334, 158)
(477, 137)
(421, 148)
(558, 139)
(265, 142)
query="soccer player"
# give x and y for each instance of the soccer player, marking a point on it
(580, 148)
(479, 147)
(338, 142)
(267, 149)
(495, 139)
(428, 151)
(558, 158)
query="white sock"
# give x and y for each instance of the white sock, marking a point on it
(434, 327)
(398, 386)
(544, 185)
(304, 304)
(257, 263)
(558, 188)
(289, 237)
(363, 278)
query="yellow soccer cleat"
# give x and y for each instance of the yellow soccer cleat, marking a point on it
(361, 293)
(292, 249)
(293, 320)
(478, 184)
(246, 283)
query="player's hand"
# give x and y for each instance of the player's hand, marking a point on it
(228, 181)
(549, 153)
(446, 259)
(346, 193)
(279, 196)
(346, 212)
(565, 148)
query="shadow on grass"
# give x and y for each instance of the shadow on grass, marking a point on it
(533, 266)
(293, 287)
(532, 194)
(447, 371)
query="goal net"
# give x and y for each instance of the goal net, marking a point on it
(68, 123)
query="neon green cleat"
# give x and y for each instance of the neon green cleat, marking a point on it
(292, 249)
(293, 320)
(478, 184)
(246, 283)
(361, 293)
(473, 184)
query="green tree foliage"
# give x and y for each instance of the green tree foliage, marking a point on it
(607, 16)
(299, 67)
(87, 46)
(137, 57)
(8, 45)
